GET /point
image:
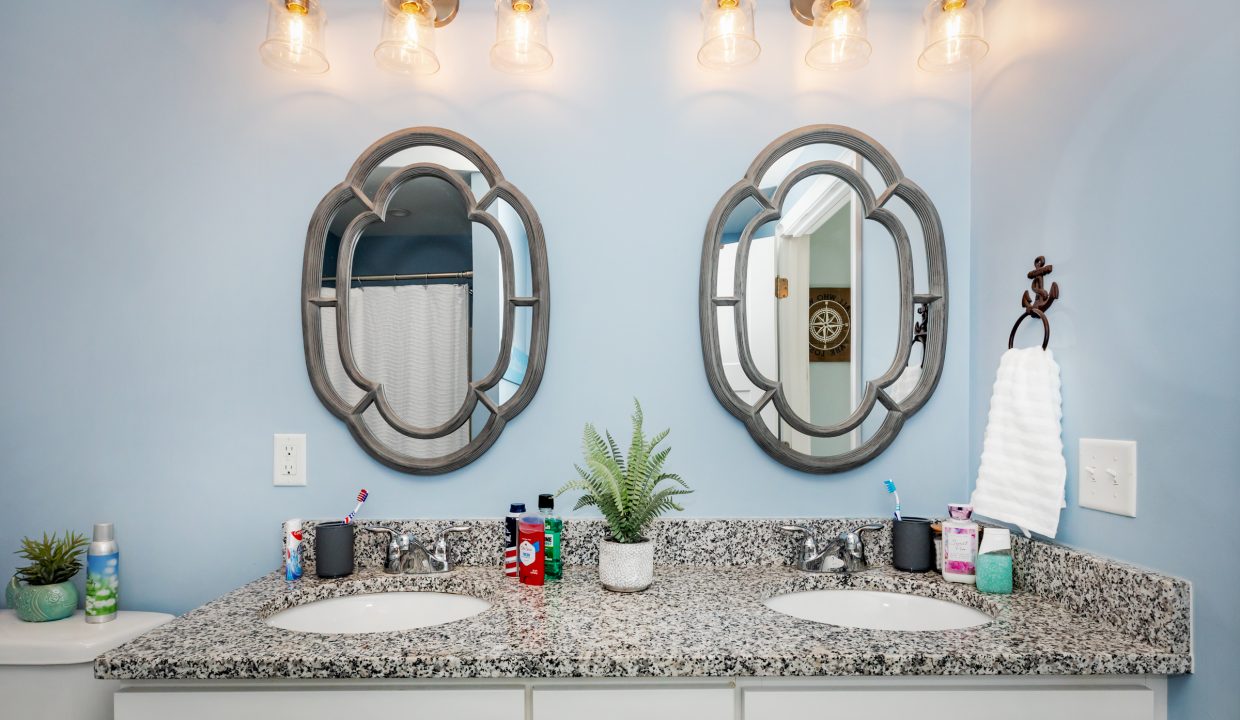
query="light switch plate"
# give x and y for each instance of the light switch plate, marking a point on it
(289, 466)
(1108, 476)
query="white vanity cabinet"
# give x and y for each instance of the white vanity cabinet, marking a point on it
(627, 701)
(1013, 697)
(1113, 699)
(243, 700)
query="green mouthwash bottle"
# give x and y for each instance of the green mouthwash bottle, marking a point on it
(553, 565)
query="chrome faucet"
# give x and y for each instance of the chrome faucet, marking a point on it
(405, 555)
(844, 554)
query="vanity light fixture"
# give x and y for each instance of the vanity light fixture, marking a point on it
(295, 35)
(407, 40)
(728, 34)
(521, 37)
(839, 41)
(954, 37)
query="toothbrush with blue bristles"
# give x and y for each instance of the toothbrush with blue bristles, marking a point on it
(361, 498)
(891, 488)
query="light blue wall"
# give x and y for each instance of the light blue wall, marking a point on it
(1106, 139)
(157, 182)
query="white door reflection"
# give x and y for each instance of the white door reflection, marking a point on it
(804, 267)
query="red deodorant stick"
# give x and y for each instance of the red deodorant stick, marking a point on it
(531, 538)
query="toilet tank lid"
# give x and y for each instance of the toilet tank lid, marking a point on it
(69, 641)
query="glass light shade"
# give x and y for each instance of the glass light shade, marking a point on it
(728, 34)
(839, 40)
(521, 36)
(295, 36)
(407, 40)
(954, 37)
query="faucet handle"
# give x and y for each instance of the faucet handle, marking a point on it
(392, 565)
(810, 542)
(809, 547)
(443, 555)
(392, 534)
(854, 546)
(852, 538)
(441, 541)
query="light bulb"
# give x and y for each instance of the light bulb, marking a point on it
(521, 36)
(407, 38)
(728, 34)
(839, 39)
(295, 36)
(954, 36)
(521, 33)
(296, 33)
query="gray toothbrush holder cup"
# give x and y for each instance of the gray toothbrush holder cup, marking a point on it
(912, 544)
(333, 549)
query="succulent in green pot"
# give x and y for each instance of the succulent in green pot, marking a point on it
(630, 493)
(42, 590)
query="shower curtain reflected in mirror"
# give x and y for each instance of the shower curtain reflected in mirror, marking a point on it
(414, 339)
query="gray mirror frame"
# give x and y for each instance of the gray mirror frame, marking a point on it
(312, 301)
(934, 301)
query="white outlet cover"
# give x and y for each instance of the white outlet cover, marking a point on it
(1107, 480)
(289, 460)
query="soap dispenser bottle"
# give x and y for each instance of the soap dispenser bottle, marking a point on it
(960, 536)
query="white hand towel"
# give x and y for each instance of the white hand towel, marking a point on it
(1022, 473)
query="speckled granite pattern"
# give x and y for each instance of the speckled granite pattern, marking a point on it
(730, 542)
(1139, 602)
(1074, 613)
(694, 621)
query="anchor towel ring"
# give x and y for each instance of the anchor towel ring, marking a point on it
(1041, 301)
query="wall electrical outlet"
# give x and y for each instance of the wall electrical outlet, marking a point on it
(1108, 476)
(290, 460)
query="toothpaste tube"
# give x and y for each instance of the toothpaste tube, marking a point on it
(292, 549)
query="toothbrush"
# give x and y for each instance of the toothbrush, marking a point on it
(891, 488)
(361, 498)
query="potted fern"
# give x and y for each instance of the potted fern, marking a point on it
(42, 590)
(627, 492)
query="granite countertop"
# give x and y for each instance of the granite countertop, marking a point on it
(694, 621)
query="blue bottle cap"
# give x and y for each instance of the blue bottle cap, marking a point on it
(516, 508)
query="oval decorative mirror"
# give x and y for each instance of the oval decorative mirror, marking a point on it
(425, 300)
(823, 299)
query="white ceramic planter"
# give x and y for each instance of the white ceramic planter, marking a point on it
(626, 567)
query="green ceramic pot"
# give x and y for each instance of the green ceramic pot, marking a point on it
(41, 603)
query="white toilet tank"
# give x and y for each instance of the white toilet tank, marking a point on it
(47, 668)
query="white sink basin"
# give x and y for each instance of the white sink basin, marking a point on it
(378, 612)
(872, 610)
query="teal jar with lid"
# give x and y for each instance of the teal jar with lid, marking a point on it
(994, 573)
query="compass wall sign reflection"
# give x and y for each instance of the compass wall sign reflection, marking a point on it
(830, 324)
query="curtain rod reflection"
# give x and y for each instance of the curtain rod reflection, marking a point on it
(418, 276)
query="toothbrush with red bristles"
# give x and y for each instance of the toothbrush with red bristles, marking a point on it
(361, 498)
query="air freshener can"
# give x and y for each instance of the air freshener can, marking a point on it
(102, 575)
